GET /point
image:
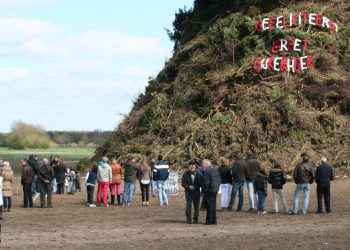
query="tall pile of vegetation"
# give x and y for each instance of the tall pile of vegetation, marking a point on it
(209, 102)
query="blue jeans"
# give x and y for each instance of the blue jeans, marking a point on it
(261, 200)
(250, 188)
(306, 190)
(237, 187)
(90, 193)
(129, 192)
(163, 199)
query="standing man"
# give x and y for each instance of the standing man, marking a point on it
(211, 186)
(303, 176)
(104, 177)
(160, 175)
(33, 162)
(130, 170)
(26, 180)
(46, 175)
(252, 169)
(237, 171)
(191, 181)
(323, 178)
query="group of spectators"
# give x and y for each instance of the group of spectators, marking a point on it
(205, 180)
(51, 176)
(231, 179)
(109, 177)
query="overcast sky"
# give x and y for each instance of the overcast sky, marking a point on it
(78, 64)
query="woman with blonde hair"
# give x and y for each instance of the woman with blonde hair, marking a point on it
(226, 182)
(144, 175)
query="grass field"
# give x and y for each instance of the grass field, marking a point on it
(70, 155)
(65, 153)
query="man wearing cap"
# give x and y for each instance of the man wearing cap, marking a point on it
(303, 176)
(191, 181)
(104, 177)
(211, 185)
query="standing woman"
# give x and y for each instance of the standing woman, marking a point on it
(7, 175)
(114, 186)
(90, 182)
(144, 175)
(60, 175)
(226, 182)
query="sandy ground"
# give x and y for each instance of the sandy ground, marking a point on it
(72, 225)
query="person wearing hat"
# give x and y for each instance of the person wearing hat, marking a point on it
(303, 176)
(104, 177)
(191, 181)
(7, 175)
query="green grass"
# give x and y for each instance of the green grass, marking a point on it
(65, 153)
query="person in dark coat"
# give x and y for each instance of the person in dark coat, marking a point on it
(60, 175)
(260, 187)
(191, 181)
(252, 169)
(277, 180)
(26, 180)
(323, 177)
(226, 182)
(33, 162)
(238, 169)
(46, 176)
(211, 185)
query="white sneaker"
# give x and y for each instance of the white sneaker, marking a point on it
(147, 203)
(92, 205)
(263, 212)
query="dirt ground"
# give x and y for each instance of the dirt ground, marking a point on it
(72, 225)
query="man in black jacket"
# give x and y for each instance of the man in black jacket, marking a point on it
(211, 186)
(237, 171)
(323, 178)
(191, 181)
(46, 175)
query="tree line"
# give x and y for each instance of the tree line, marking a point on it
(23, 135)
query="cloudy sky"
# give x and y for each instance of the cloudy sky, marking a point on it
(79, 64)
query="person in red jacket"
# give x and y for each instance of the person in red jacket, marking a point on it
(114, 186)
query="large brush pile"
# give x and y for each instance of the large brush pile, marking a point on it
(209, 102)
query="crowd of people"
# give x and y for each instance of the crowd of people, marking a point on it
(206, 180)
(231, 180)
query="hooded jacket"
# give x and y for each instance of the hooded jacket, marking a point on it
(7, 175)
(260, 183)
(104, 173)
(276, 178)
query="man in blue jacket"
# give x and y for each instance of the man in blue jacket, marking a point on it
(160, 175)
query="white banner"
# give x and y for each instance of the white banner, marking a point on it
(171, 184)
